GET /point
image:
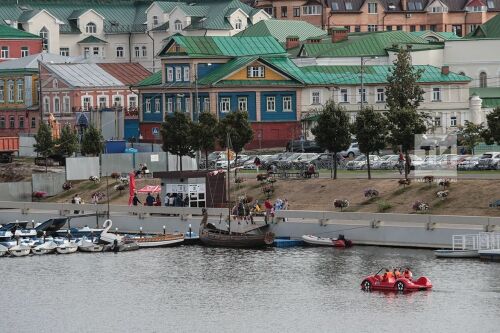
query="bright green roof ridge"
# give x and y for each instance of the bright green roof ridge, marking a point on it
(7, 32)
(152, 80)
(281, 29)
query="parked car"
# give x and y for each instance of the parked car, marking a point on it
(359, 163)
(305, 146)
(469, 163)
(352, 151)
(278, 158)
(489, 161)
(389, 163)
(303, 160)
(287, 162)
(382, 159)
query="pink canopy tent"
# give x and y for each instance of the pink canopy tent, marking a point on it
(150, 189)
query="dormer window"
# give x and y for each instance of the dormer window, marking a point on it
(155, 20)
(44, 34)
(348, 5)
(91, 28)
(491, 4)
(178, 25)
(255, 71)
(238, 24)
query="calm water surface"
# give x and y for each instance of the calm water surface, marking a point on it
(197, 289)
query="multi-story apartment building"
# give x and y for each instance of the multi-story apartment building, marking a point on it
(15, 43)
(458, 16)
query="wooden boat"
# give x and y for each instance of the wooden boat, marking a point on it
(492, 254)
(45, 248)
(67, 248)
(20, 250)
(324, 241)
(159, 240)
(456, 253)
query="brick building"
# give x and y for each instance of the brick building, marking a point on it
(16, 43)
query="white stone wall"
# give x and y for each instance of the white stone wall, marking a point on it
(155, 10)
(42, 19)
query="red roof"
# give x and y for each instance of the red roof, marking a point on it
(128, 73)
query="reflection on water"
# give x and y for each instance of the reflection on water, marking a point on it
(197, 289)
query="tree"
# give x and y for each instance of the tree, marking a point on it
(92, 141)
(370, 129)
(492, 134)
(332, 131)
(404, 96)
(205, 133)
(177, 134)
(236, 126)
(471, 135)
(67, 144)
(44, 144)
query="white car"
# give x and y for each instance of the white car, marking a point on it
(489, 161)
(352, 151)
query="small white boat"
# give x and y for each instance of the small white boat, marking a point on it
(3, 250)
(86, 245)
(456, 253)
(45, 248)
(492, 254)
(159, 240)
(323, 241)
(20, 250)
(67, 248)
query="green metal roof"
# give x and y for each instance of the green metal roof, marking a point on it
(490, 96)
(213, 14)
(162, 27)
(367, 44)
(256, 83)
(167, 6)
(206, 46)
(92, 40)
(7, 32)
(443, 35)
(226, 69)
(281, 29)
(152, 80)
(490, 29)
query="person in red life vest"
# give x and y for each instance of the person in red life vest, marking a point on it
(387, 275)
(269, 206)
(407, 274)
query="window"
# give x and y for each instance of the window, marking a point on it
(66, 104)
(433, 27)
(86, 52)
(178, 25)
(335, 6)
(95, 50)
(372, 27)
(46, 105)
(20, 90)
(296, 11)
(284, 11)
(178, 74)
(2, 88)
(491, 4)
(148, 105)
(117, 101)
(453, 121)
(87, 103)
(242, 104)
(269, 10)
(178, 106)
(399, 27)
(24, 51)
(472, 27)
(457, 29)
(437, 121)
(144, 51)
(255, 71)
(12, 122)
(344, 96)
(186, 73)
(311, 10)
(91, 28)
(57, 105)
(170, 74)
(33, 122)
(2, 122)
(137, 51)
(380, 95)
(315, 98)
(270, 104)
(103, 102)
(155, 20)
(225, 104)
(483, 80)
(10, 91)
(413, 28)
(157, 105)
(362, 95)
(348, 5)
(388, 28)
(422, 27)
(64, 51)
(206, 104)
(170, 105)
(4, 53)
(287, 104)
(44, 34)
(132, 102)
(119, 52)
(357, 28)
(238, 24)
(348, 28)
(21, 122)
(372, 8)
(187, 104)
(436, 94)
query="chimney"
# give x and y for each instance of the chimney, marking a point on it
(445, 70)
(291, 42)
(338, 34)
(404, 5)
(313, 40)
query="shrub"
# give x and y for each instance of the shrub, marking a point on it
(119, 187)
(429, 179)
(383, 206)
(115, 175)
(94, 179)
(443, 194)
(444, 183)
(239, 180)
(341, 203)
(371, 193)
(67, 186)
(420, 206)
(404, 182)
(261, 177)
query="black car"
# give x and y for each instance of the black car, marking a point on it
(306, 146)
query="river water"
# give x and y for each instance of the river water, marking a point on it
(198, 289)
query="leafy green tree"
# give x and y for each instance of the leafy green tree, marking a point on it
(236, 126)
(492, 134)
(404, 96)
(471, 135)
(44, 145)
(332, 131)
(205, 133)
(92, 141)
(67, 144)
(370, 129)
(177, 134)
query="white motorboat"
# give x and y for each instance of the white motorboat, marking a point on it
(456, 253)
(45, 248)
(108, 237)
(159, 240)
(3, 250)
(492, 254)
(67, 248)
(86, 245)
(324, 241)
(20, 250)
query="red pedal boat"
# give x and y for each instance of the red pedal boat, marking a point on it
(401, 284)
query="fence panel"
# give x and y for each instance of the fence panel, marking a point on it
(156, 161)
(116, 163)
(26, 148)
(81, 168)
(48, 182)
(18, 191)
